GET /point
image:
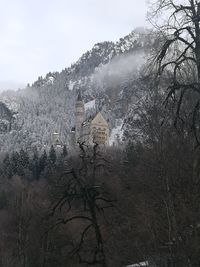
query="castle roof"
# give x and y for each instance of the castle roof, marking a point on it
(99, 119)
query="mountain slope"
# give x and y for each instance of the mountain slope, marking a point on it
(107, 73)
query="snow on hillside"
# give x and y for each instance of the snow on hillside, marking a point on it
(10, 103)
(116, 133)
(141, 264)
(71, 85)
(90, 105)
(50, 80)
(125, 44)
(107, 74)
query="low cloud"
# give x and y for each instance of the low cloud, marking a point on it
(10, 85)
(120, 68)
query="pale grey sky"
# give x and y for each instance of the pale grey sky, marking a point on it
(38, 36)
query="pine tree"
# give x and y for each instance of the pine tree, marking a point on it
(34, 165)
(23, 162)
(43, 161)
(24, 158)
(52, 155)
(64, 151)
(15, 159)
(131, 154)
(7, 168)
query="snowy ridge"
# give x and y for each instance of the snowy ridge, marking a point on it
(103, 53)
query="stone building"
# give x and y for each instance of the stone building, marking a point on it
(89, 130)
(56, 139)
(56, 142)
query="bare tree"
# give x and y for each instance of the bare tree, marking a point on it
(179, 55)
(83, 201)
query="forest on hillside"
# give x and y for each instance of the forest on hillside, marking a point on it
(135, 202)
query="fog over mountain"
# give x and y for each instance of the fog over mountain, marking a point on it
(11, 85)
(108, 74)
(120, 68)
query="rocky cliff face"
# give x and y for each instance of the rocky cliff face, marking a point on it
(107, 73)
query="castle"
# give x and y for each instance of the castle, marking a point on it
(89, 130)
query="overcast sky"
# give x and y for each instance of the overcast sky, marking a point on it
(38, 36)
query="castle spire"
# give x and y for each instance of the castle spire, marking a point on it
(79, 116)
(79, 98)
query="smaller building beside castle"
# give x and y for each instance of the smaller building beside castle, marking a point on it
(56, 142)
(92, 130)
(56, 139)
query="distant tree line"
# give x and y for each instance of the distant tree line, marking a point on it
(31, 165)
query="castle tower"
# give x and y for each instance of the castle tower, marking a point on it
(79, 117)
(56, 138)
(99, 130)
